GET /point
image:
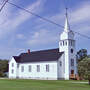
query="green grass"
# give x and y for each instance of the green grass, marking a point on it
(6, 84)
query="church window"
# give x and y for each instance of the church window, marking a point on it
(69, 43)
(47, 68)
(72, 62)
(29, 68)
(12, 71)
(60, 63)
(38, 68)
(71, 50)
(66, 43)
(22, 69)
(12, 64)
(17, 65)
(63, 43)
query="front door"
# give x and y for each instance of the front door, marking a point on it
(72, 71)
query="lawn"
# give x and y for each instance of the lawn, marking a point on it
(6, 84)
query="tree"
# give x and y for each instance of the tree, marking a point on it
(81, 54)
(84, 69)
(3, 67)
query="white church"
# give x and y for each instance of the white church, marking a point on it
(52, 64)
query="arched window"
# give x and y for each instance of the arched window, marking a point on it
(69, 43)
(66, 43)
(63, 43)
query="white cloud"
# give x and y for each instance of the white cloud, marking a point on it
(78, 18)
(8, 24)
(81, 14)
(20, 36)
(23, 16)
(57, 18)
(42, 37)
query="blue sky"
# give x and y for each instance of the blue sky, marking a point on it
(20, 31)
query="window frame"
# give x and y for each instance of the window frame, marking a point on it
(12, 64)
(30, 68)
(72, 50)
(60, 43)
(22, 68)
(12, 71)
(63, 43)
(38, 68)
(66, 43)
(47, 68)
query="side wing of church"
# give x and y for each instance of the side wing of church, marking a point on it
(37, 65)
(50, 64)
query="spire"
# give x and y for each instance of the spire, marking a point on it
(67, 27)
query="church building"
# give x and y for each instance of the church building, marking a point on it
(51, 64)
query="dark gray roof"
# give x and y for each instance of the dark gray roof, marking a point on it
(37, 56)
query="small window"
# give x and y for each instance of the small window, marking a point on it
(66, 43)
(69, 43)
(60, 63)
(17, 65)
(72, 62)
(47, 68)
(29, 68)
(12, 71)
(71, 50)
(12, 64)
(22, 69)
(63, 43)
(38, 68)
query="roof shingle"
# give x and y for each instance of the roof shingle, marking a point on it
(37, 56)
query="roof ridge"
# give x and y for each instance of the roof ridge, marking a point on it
(46, 50)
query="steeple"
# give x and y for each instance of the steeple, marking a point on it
(66, 27)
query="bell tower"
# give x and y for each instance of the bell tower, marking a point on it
(67, 45)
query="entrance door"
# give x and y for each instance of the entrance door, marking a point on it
(72, 71)
(72, 76)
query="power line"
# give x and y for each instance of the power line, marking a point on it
(82, 35)
(45, 19)
(4, 3)
(35, 15)
(66, 5)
